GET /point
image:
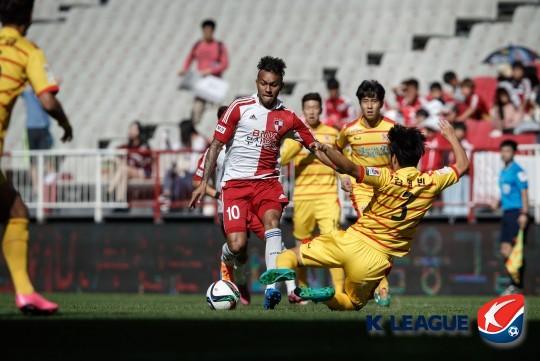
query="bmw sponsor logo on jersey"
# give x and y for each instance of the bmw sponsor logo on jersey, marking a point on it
(501, 322)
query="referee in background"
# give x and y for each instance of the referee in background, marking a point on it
(515, 206)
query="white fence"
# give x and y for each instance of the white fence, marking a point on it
(68, 179)
(97, 180)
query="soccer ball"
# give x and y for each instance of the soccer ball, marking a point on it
(222, 295)
(513, 331)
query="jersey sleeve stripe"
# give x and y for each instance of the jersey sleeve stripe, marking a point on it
(49, 89)
(237, 102)
(454, 168)
(361, 174)
(3, 58)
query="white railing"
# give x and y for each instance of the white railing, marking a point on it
(96, 179)
(67, 179)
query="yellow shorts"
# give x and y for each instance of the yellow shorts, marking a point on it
(364, 266)
(324, 213)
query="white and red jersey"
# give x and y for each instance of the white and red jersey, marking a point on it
(253, 136)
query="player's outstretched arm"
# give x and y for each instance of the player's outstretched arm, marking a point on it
(328, 154)
(54, 108)
(209, 166)
(447, 130)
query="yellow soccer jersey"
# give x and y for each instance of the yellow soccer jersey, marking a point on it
(369, 148)
(21, 61)
(400, 201)
(313, 179)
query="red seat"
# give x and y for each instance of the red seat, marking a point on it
(478, 135)
(485, 88)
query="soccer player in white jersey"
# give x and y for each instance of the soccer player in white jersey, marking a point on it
(252, 129)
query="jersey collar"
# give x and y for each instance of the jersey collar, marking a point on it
(279, 103)
(8, 30)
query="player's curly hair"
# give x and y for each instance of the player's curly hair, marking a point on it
(407, 144)
(271, 64)
(370, 89)
(16, 12)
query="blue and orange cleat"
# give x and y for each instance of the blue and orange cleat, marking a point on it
(272, 297)
(35, 304)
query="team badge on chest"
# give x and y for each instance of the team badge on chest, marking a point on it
(278, 124)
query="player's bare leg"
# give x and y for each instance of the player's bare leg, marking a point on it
(15, 247)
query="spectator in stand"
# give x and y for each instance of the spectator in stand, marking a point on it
(190, 139)
(472, 107)
(338, 109)
(137, 165)
(522, 85)
(432, 158)
(456, 197)
(409, 101)
(436, 93)
(420, 117)
(449, 112)
(452, 80)
(211, 58)
(505, 115)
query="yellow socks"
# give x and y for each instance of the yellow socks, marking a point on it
(340, 302)
(287, 259)
(338, 278)
(15, 247)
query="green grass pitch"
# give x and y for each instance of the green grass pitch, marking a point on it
(192, 307)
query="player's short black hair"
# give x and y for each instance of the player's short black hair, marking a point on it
(273, 65)
(221, 110)
(509, 143)
(16, 12)
(370, 89)
(208, 22)
(435, 86)
(332, 83)
(448, 76)
(312, 96)
(422, 113)
(407, 144)
(460, 125)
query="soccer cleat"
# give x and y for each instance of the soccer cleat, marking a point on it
(272, 297)
(277, 275)
(382, 301)
(295, 299)
(315, 294)
(226, 272)
(245, 296)
(35, 304)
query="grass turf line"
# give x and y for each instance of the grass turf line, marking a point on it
(89, 306)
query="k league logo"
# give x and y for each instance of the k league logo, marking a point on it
(501, 322)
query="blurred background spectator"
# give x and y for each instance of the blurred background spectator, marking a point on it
(338, 109)
(472, 106)
(211, 58)
(505, 115)
(408, 100)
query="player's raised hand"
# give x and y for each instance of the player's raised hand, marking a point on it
(197, 195)
(447, 130)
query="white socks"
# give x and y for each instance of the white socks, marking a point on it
(273, 248)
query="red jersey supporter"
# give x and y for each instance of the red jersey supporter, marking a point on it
(472, 107)
(338, 109)
(409, 101)
(432, 158)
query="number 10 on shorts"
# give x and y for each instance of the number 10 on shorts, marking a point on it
(233, 212)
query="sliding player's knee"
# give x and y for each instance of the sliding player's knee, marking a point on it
(237, 244)
(18, 209)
